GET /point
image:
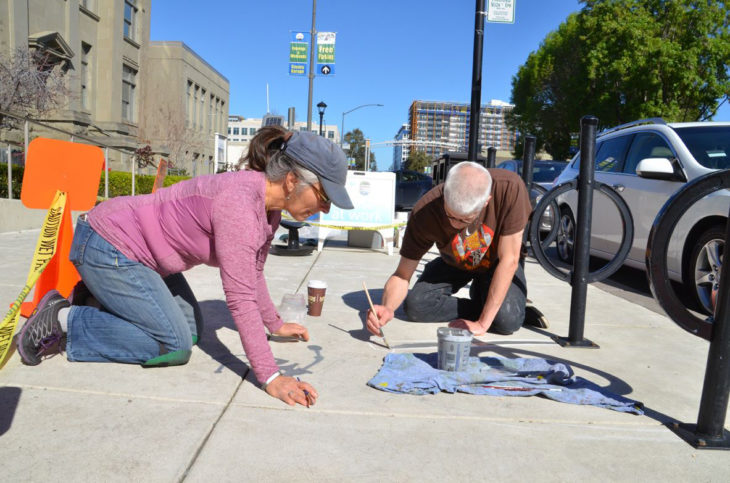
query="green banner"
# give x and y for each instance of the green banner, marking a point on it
(298, 52)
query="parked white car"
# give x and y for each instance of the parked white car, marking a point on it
(646, 162)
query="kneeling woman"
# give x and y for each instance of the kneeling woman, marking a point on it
(130, 252)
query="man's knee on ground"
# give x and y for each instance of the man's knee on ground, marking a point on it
(420, 305)
(510, 317)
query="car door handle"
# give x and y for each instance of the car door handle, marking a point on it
(619, 187)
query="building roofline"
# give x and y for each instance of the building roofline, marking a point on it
(185, 46)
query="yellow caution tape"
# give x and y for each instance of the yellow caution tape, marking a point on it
(342, 227)
(44, 251)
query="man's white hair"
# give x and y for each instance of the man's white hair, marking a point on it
(467, 188)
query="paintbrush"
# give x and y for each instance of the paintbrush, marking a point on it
(372, 307)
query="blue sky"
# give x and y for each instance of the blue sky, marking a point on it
(388, 52)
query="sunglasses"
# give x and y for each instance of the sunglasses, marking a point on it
(321, 195)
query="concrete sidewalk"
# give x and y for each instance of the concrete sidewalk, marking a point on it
(209, 421)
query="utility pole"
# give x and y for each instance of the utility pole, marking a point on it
(312, 39)
(476, 82)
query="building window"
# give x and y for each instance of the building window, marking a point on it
(229, 131)
(244, 131)
(235, 131)
(330, 134)
(85, 75)
(130, 12)
(211, 118)
(202, 109)
(252, 130)
(129, 84)
(189, 104)
(195, 106)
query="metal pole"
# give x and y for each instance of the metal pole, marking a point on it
(367, 155)
(321, 115)
(342, 129)
(491, 157)
(106, 173)
(26, 134)
(312, 34)
(581, 249)
(476, 81)
(10, 172)
(715, 391)
(528, 161)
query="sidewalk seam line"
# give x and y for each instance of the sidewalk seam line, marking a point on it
(210, 431)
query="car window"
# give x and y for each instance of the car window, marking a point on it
(646, 145)
(409, 176)
(546, 172)
(710, 145)
(609, 157)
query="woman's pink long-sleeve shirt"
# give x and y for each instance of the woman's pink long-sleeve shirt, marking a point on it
(218, 220)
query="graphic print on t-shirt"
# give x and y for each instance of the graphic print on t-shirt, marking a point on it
(471, 252)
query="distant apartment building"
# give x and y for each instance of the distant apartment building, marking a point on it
(242, 129)
(118, 84)
(185, 106)
(437, 127)
(401, 150)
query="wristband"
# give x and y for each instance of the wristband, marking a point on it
(271, 378)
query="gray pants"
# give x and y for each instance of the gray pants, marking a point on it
(431, 298)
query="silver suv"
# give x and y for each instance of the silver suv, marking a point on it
(647, 161)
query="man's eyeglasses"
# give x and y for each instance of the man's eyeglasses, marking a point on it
(460, 220)
(321, 195)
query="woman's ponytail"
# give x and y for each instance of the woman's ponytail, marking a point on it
(267, 142)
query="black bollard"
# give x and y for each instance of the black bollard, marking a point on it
(711, 431)
(491, 157)
(581, 249)
(528, 161)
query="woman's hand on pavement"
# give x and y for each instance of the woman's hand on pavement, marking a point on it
(292, 391)
(384, 315)
(290, 329)
(474, 327)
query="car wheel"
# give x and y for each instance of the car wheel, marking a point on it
(702, 278)
(566, 236)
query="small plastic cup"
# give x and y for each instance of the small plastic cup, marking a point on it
(315, 295)
(293, 308)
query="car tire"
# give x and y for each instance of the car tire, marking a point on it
(565, 239)
(702, 276)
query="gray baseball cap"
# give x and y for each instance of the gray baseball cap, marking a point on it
(325, 159)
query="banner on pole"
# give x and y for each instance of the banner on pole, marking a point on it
(299, 53)
(326, 53)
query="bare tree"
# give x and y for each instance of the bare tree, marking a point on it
(169, 131)
(31, 83)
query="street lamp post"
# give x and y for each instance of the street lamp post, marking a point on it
(342, 126)
(321, 107)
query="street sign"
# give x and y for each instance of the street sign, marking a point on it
(326, 53)
(501, 11)
(299, 53)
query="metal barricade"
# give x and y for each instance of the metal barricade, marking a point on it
(709, 432)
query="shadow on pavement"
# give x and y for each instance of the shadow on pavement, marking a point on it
(9, 398)
(615, 384)
(216, 316)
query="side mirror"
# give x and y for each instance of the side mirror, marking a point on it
(659, 168)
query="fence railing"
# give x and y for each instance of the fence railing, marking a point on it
(14, 153)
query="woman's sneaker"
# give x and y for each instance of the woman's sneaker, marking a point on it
(41, 331)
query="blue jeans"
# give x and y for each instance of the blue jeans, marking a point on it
(143, 316)
(431, 298)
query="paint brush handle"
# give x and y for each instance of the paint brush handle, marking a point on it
(372, 307)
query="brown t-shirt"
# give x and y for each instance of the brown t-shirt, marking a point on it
(476, 246)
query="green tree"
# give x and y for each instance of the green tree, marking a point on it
(356, 140)
(417, 161)
(623, 60)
